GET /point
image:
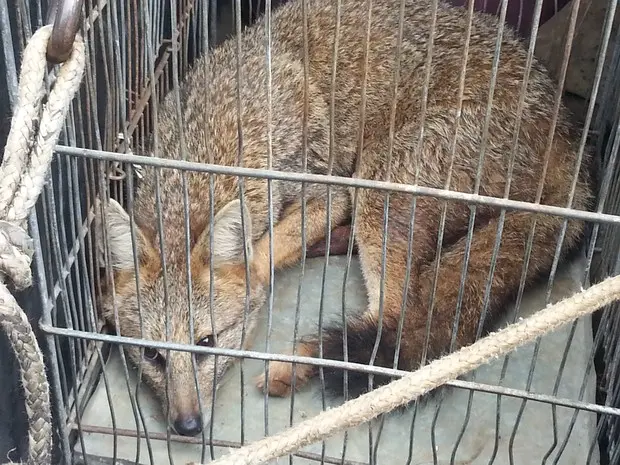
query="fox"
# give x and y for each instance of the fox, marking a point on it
(384, 111)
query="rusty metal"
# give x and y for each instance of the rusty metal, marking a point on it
(66, 16)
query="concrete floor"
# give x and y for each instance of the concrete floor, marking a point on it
(533, 439)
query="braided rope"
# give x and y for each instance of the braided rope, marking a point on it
(413, 385)
(28, 153)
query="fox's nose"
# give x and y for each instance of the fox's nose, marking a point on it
(190, 425)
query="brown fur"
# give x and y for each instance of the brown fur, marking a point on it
(210, 134)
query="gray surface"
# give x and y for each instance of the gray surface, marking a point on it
(532, 441)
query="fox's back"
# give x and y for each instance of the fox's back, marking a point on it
(370, 57)
(365, 74)
(368, 67)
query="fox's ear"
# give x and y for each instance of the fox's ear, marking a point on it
(114, 227)
(228, 234)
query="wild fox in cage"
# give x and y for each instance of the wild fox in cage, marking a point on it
(424, 144)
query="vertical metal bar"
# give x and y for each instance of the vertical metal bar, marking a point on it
(604, 420)
(207, 69)
(213, 22)
(92, 109)
(76, 319)
(47, 263)
(58, 403)
(269, 205)
(23, 17)
(386, 208)
(528, 66)
(9, 54)
(359, 149)
(117, 44)
(50, 205)
(136, 264)
(150, 57)
(597, 78)
(606, 182)
(93, 322)
(304, 245)
(609, 89)
(241, 184)
(453, 149)
(109, 277)
(164, 266)
(79, 311)
(183, 150)
(411, 431)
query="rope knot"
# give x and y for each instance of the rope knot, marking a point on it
(16, 250)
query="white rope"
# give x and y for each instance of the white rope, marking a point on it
(35, 129)
(437, 373)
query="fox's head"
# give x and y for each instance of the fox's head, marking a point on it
(141, 304)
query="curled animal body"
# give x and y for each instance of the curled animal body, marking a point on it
(423, 133)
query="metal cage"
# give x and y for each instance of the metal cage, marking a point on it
(137, 53)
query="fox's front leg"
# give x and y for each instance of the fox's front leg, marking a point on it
(284, 376)
(288, 251)
(287, 232)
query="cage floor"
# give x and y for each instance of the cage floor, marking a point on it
(528, 443)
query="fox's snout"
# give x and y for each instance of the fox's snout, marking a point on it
(188, 425)
(189, 404)
(186, 417)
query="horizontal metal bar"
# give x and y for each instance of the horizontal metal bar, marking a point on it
(90, 459)
(198, 440)
(326, 363)
(219, 351)
(340, 181)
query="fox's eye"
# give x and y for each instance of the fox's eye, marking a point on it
(206, 342)
(151, 354)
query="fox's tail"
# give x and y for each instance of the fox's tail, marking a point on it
(362, 331)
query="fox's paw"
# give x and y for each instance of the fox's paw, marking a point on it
(280, 382)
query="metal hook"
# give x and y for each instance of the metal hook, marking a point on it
(66, 15)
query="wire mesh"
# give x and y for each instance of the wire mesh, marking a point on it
(139, 53)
